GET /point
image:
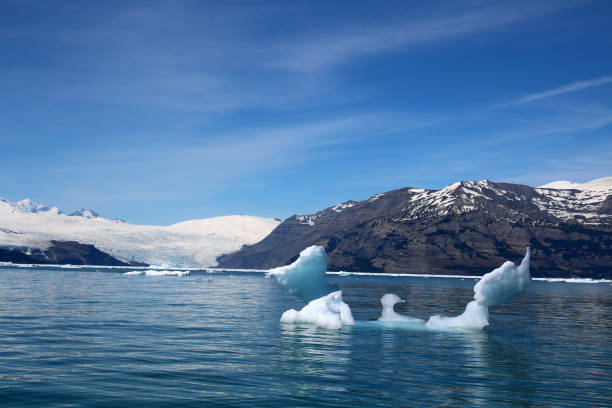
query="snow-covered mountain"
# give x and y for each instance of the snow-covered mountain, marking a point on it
(194, 243)
(601, 185)
(468, 226)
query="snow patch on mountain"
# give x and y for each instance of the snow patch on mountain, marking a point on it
(586, 203)
(343, 206)
(602, 184)
(576, 202)
(457, 198)
(307, 219)
(376, 197)
(28, 206)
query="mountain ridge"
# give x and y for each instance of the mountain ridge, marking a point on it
(466, 227)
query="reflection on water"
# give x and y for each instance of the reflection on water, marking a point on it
(102, 338)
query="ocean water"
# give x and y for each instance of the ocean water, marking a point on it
(99, 338)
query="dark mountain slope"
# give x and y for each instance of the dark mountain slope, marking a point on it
(465, 228)
(62, 252)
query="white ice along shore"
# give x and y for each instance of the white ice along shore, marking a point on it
(157, 272)
(305, 278)
(188, 244)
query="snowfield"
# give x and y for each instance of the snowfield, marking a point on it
(194, 243)
(602, 185)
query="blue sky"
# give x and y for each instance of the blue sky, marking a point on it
(157, 112)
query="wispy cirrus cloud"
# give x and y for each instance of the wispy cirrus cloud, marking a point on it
(222, 65)
(240, 153)
(560, 90)
(341, 44)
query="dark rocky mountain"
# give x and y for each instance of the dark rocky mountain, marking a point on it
(82, 212)
(465, 228)
(62, 252)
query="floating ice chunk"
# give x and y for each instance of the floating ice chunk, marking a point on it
(494, 288)
(475, 316)
(504, 283)
(329, 312)
(389, 315)
(156, 272)
(305, 278)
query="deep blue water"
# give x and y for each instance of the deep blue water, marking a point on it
(100, 338)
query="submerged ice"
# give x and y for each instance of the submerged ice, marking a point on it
(305, 278)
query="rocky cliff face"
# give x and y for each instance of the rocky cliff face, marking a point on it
(62, 252)
(465, 228)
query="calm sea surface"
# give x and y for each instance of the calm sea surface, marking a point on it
(100, 338)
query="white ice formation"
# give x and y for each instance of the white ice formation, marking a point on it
(498, 286)
(305, 278)
(475, 316)
(494, 288)
(329, 312)
(157, 272)
(389, 315)
(504, 283)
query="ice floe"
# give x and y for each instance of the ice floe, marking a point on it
(157, 272)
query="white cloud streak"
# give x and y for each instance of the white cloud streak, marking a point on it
(342, 44)
(560, 90)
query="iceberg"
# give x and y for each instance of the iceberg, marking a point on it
(305, 278)
(389, 315)
(494, 288)
(329, 312)
(504, 283)
(475, 316)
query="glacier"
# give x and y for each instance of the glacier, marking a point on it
(188, 244)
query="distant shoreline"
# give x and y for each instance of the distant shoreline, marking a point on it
(341, 273)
